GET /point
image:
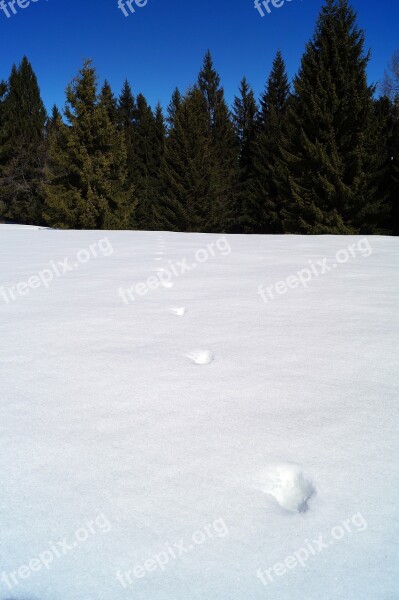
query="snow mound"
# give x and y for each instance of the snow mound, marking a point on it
(201, 357)
(289, 486)
(178, 312)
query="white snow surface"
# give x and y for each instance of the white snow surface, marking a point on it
(290, 432)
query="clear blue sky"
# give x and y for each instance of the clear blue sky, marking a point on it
(162, 44)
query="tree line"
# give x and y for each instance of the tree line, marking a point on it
(319, 155)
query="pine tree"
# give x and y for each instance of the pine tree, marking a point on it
(187, 173)
(265, 198)
(331, 149)
(22, 146)
(86, 186)
(223, 214)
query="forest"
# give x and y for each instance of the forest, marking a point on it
(316, 155)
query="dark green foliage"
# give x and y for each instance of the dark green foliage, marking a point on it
(86, 184)
(387, 112)
(331, 149)
(201, 160)
(187, 174)
(264, 199)
(126, 124)
(322, 157)
(245, 118)
(223, 213)
(148, 146)
(109, 102)
(159, 142)
(173, 107)
(22, 146)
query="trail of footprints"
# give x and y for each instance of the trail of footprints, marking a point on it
(198, 356)
(285, 483)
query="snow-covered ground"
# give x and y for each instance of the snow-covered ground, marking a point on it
(225, 428)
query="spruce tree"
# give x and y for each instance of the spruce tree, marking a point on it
(173, 107)
(3, 92)
(55, 117)
(387, 112)
(265, 197)
(126, 124)
(187, 173)
(245, 117)
(144, 141)
(22, 146)
(108, 100)
(331, 149)
(159, 141)
(86, 186)
(223, 213)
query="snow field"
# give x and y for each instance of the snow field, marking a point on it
(105, 413)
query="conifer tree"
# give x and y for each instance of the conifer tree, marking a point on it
(223, 214)
(108, 100)
(264, 200)
(86, 186)
(22, 146)
(159, 141)
(144, 133)
(55, 117)
(126, 124)
(187, 173)
(3, 92)
(387, 112)
(331, 149)
(173, 106)
(245, 117)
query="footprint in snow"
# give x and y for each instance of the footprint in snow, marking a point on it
(201, 357)
(289, 486)
(178, 312)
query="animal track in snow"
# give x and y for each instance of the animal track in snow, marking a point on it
(178, 312)
(289, 486)
(201, 357)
